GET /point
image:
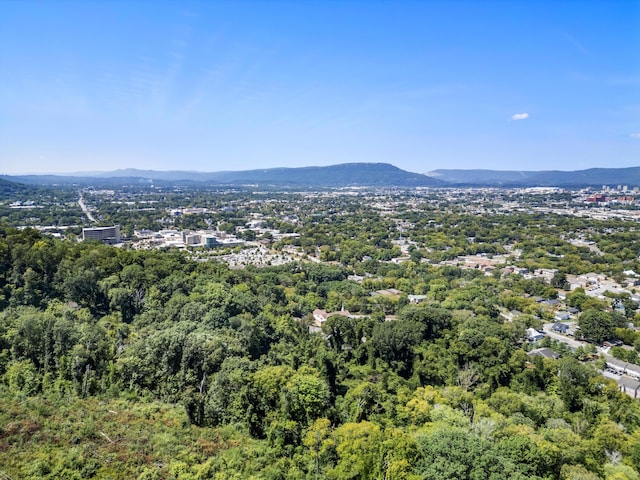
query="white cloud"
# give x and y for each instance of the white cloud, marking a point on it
(635, 135)
(519, 116)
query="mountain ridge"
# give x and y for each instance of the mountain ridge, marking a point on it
(541, 178)
(340, 175)
(346, 175)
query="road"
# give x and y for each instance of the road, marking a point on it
(572, 342)
(85, 210)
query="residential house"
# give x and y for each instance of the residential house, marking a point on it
(533, 335)
(544, 353)
(416, 298)
(629, 386)
(321, 316)
(560, 327)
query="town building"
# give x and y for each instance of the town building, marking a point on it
(109, 235)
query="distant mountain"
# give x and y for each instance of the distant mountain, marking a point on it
(481, 177)
(545, 178)
(71, 180)
(9, 188)
(343, 175)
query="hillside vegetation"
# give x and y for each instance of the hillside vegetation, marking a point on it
(118, 363)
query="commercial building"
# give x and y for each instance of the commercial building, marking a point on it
(191, 239)
(102, 234)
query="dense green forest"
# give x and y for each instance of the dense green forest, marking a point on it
(120, 363)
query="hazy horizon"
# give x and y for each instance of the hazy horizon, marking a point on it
(231, 86)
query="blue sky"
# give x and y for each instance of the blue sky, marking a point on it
(209, 86)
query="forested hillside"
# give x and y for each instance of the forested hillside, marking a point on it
(120, 363)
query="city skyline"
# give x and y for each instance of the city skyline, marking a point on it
(250, 85)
